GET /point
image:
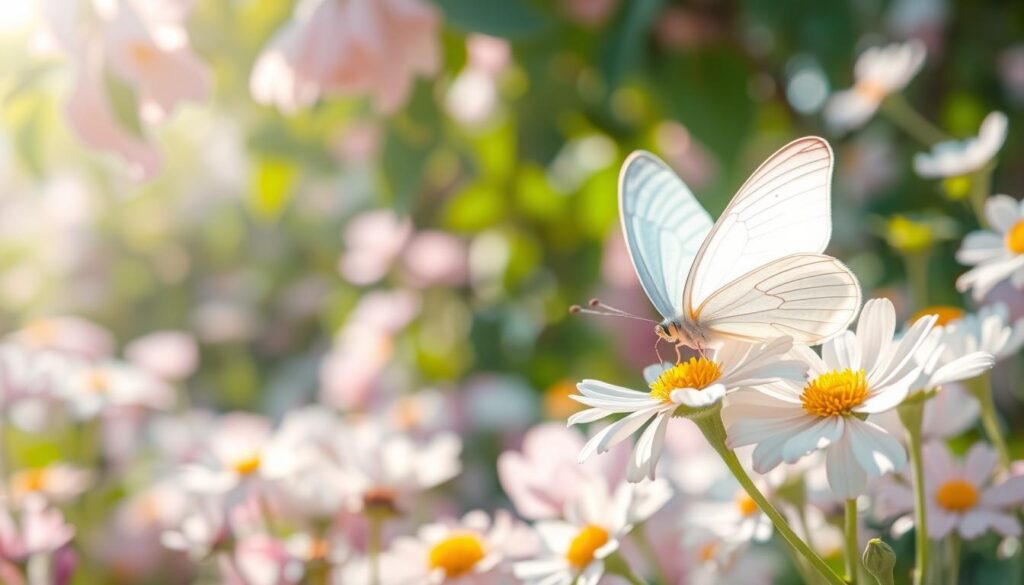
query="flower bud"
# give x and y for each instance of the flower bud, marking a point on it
(879, 560)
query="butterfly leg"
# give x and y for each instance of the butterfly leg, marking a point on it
(657, 352)
(679, 355)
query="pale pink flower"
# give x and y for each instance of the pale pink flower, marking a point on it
(545, 476)
(170, 355)
(65, 334)
(260, 559)
(961, 496)
(348, 47)
(57, 482)
(234, 458)
(93, 389)
(435, 258)
(39, 529)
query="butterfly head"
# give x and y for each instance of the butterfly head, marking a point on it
(682, 331)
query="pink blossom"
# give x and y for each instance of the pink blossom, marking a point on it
(170, 355)
(72, 335)
(348, 47)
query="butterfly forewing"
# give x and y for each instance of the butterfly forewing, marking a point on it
(664, 227)
(784, 208)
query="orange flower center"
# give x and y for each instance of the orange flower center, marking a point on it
(98, 381)
(457, 555)
(835, 393)
(746, 504)
(697, 373)
(946, 314)
(41, 333)
(957, 495)
(143, 54)
(557, 404)
(247, 465)
(870, 89)
(29, 481)
(1015, 238)
(585, 544)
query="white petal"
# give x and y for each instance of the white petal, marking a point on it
(877, 451)
(817, 436)
(1001, 211)
(845, 476)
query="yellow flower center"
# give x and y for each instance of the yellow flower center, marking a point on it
(143, 54)
(98, 381)
(247, 465)
(698, 373)
(585, 544)
(946, 314)
(957, 495)
(457, 555)
(1015, 238)
(835, 393)
(707, 552)
(41, 333)
(29, 481)
(746, 504)
(871, 89)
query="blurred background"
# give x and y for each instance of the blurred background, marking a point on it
(413, 235)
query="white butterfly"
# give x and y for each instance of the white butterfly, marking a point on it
(756, 273)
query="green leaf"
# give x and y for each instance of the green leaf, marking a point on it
(474, 208)
(627, 41)
(273, 183)
(124, 102)
(510, 19)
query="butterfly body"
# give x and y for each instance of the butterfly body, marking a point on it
(756, 273)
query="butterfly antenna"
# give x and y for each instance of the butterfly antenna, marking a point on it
(596, 307)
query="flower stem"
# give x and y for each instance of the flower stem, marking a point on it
(954, 557)
(900, 112)
(981, 387)
(981, 188)
(647, 549)
(852, 548)
(710, 423)
(912, 415)
(917, 276)
(617, 565)
(373, 546)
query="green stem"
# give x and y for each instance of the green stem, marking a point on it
(852, 548)
(912, 415)
(981, 387)
(981, 188)
(647, 549)
(373, 547)
(901, 113)
(954, 557)
(710, 423)
(617, 565)
(917, 277)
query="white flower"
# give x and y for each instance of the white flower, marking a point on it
(730, 513)
(575, 549)
(942, 365)
(880, 71)
(93, 388)
(960, 496)
(988, 330)
(996, 254)
(858, 374)
(697, 383)
(57, 482)
(472, 551)
(385, 468)
(234, 454)
(962, 157)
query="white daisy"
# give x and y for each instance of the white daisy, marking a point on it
(576, 549)
(960, 496)
(472, 551)
(988, 330)
(691, 385)
(695, 384)
(858, 375)
(879, 72)
(997, 253)
(93, 389)
(962, 157)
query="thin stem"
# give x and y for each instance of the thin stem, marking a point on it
(852, 548)
(373, 547)
(953, 542)
(981, 188)
(901, 113)
(711, 425)
(917, 277)
(647, 549)
(981, 387)
(617, 565)
(912, 415)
